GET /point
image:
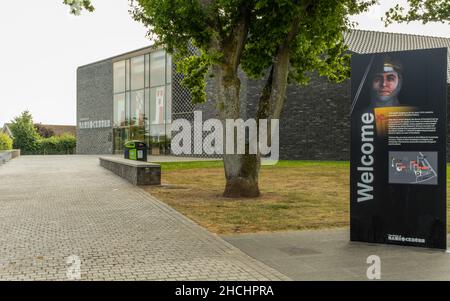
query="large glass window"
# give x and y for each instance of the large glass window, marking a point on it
(137, 73)
(119, 77)
(143, 101)
(158, 68)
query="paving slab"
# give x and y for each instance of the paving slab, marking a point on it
(329, 255)
(65, 217)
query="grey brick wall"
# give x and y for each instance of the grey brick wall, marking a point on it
(95, 102)
(314, 124)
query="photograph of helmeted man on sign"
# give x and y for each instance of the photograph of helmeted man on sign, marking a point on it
(380, 82)
(386, 81)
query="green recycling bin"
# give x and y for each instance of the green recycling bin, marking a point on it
(136, 150)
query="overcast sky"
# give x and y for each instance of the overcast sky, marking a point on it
(42, 46)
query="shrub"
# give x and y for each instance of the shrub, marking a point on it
(6, 143)
(57, 145)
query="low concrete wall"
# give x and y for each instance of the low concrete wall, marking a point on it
(136, 172)
(8, 155)
(15, 153)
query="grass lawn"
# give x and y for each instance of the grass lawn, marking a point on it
(296, 195)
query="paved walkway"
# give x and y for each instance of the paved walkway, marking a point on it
(58, 206)
(328, 255)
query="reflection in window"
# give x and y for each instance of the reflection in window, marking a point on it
(137, 108)
(157, 105)
(119, 77)
(169, 104)
(119, 110)
(137, 72)
(158, 68)
(169, 69)
(147, 110)
(127, 108)
(127, 75)
(137, 133)
(147, 70)
(121, 135)
(158, 140)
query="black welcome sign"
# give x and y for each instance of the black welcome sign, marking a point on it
(398, 148)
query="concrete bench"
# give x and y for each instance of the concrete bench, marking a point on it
(136, 172)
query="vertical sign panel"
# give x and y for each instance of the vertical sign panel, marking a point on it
(398, 148)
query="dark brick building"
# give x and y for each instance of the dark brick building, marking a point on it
(136, 96)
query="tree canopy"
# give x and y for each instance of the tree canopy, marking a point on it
(420, 10)
(311, 29)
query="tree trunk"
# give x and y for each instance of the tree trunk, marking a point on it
(241, 172)
(271, 102)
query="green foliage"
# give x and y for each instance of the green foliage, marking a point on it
(195, 69)
(316, 41)
(76, 6)
(6, 143)
(57, 145)
(24, 133)
(420, 10)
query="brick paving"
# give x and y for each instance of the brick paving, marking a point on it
(330, 255)
(59, 206)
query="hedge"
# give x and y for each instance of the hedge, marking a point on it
(6, 143)
(57, 145)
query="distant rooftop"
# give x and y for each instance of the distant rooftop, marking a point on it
(365, 41)
(61, 129)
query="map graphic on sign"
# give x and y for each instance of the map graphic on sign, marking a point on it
(413, 168)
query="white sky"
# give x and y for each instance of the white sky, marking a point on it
(42, 46)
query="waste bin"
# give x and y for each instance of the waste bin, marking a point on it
(136, 150)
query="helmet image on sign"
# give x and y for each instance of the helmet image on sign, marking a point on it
(386, 83)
